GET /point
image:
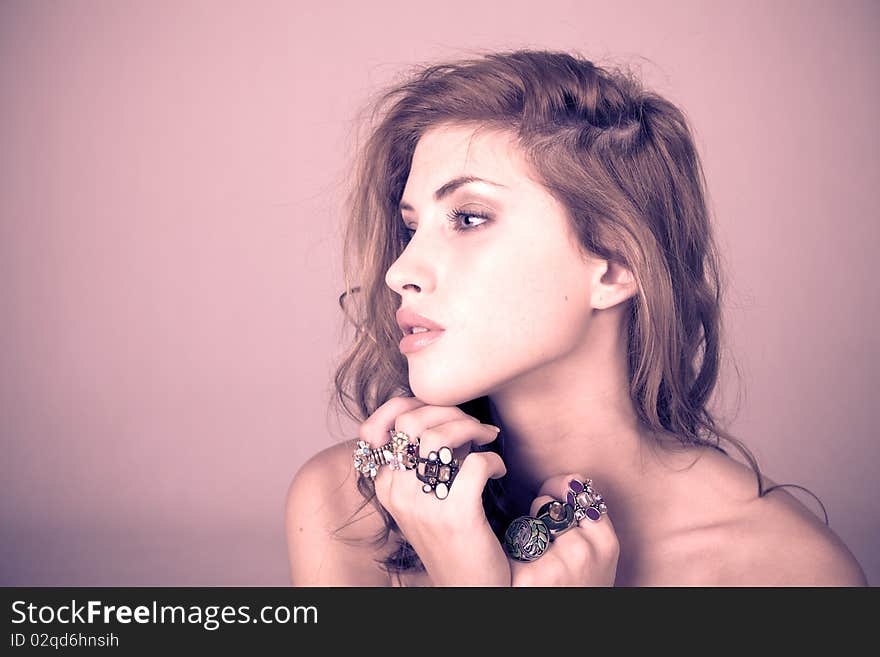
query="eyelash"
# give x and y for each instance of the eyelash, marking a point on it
(453, 217)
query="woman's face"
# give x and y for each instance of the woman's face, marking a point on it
(510, 287)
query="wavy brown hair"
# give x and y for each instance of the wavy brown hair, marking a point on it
(621, 160)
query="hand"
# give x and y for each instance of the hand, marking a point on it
(585, 555)
(452, 536)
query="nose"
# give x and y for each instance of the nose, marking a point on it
(411, 271)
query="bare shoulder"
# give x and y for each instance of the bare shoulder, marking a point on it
(774, 540)
(331, 533)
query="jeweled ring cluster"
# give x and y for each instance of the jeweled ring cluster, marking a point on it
(436, 472)
(403, 452)
(528, 537)
(399, 453)
(367, 460)
(586, 501)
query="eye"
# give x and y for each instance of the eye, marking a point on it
(457, 218)
(461, 220)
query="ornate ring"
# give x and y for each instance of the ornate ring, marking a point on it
(402, 451)
(437, 472)
(367, 460)
(587, 502)
(526, 539)
(558, 516)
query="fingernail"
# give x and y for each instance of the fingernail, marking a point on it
(492, 426)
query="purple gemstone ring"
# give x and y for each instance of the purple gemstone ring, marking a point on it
(586, 500)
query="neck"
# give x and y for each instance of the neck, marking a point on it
(576, 416)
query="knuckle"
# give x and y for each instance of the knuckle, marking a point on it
(555, 566)
(613, 546)
(577, 548)
(495, 464)
(493, 459)
(402, 420)
(431, 436)
(370, 431)
(365, 430)
(606, 546)
(477, 464)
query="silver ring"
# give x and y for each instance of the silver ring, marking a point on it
(526, 539)
(558, 516)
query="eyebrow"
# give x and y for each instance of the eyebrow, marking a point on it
(449, 187)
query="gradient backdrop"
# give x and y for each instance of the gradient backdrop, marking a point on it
(170, 181)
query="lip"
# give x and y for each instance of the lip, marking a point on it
(413, 342)
(406, 319)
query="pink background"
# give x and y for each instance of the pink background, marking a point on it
(169, 252)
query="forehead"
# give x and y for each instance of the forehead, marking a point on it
(444, 152)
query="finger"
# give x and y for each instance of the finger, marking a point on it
(557, 486)
(426, 416)
(524, 573)
(476, 469)
(455, 434)
(374, 430)
(438, 426)
(414, 421)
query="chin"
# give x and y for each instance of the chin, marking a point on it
(443, 393)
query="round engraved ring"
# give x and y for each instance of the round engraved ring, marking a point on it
(526, 539)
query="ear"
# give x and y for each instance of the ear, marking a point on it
(612, 284)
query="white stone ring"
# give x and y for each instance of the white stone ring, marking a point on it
(437, 472)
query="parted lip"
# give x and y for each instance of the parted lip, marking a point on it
(406, 319)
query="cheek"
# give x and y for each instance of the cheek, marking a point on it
(511, 314)
(531, 308)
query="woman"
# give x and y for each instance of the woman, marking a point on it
(545, 220)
